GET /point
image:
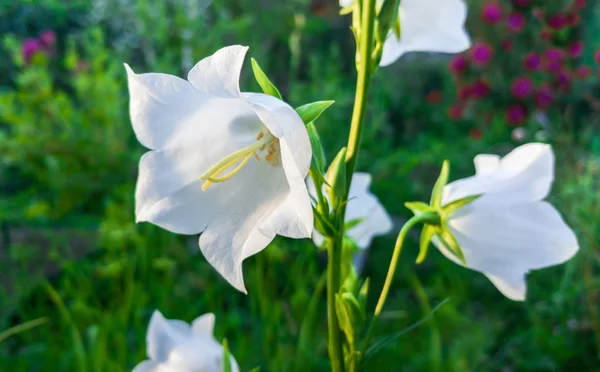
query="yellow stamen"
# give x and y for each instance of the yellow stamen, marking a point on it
(233, 172)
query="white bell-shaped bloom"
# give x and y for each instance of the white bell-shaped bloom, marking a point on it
(364, 206)
(226, 164)
(176, 346)
(509, 230)
(426, 26)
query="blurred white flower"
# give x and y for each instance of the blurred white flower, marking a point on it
(363, 206)
(228, 164)
(426, 26)
(519, 134)
(509, 230)
(176, 346)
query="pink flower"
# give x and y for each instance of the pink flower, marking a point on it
(458, 64)
(48, 38)
(480, 89)
(464, 93)
(455, 112)
(553, 59)
(576, 49)
(515, 114)
(583, 72)
(544, 97)
(563, 78)
(29, 48)
(557, 21)
(597, 57)
(516, 22)
(521, 87)
(532, 61)
(481, 54)
(491, 13)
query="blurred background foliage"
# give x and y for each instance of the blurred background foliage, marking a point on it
(72, 253)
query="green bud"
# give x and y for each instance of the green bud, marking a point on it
(263, 81)
(336, 178)
(226, 357)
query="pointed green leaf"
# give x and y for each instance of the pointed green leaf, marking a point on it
(317, 148)
(418, 207)
(311, 111)
(397, 29)
(353, 306)
(436, 194)
(322, 223)
(452, 207)
(448, 240)
(336, 178)
(352, 223)
(387, 17)
(345, 320)
(263, 81)
(426, 235)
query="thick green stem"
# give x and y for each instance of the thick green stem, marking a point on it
(358, 115)
(390, 276)
(365, 68)
(336, 354)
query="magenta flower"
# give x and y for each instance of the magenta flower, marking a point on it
(515, 114)
(544, 96)
(597, 57)
(583, 72)
(532, 61)
(516, 22)
(481, 54)
(521, 87)
(491, 13)
(29, 48)
(563, 78)
(576, 49)
(553, 59)
(48, 38)
(480, 89)
(554, 54)
(458, 64)
(557, 21)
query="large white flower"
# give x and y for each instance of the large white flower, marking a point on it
(176, 346)
(509, 230)
(426, 26)
(228, 164)
(362, 205)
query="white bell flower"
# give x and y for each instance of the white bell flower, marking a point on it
(226, 164)
(509, 230)
(426, 26)
(363, 206)
(176, 346)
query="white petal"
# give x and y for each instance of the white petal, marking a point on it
(505, 243)
(152, 366)
(162, 337)
(524, 175)
(204, 325)
(363, 204)
(428, 26)
(346, 3)
(486, 163)
(219, 74)
(245, 202)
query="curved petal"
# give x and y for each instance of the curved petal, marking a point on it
(245, 202)
(204, 325)
(346, 3)
(363, 204)
(428, 26)
(219, 74)
(486, 164)
(152, 366)
(162, 337)
(524, 175)
(294, 218)
(505, 243)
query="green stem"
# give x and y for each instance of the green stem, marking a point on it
(334, 251)
(22, 328)
(390, 276)
(362, 87)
